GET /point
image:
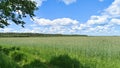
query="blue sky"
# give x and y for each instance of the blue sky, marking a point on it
(90, 17)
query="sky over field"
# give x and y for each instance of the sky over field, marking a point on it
(90, 17)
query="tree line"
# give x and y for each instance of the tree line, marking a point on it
(35, 35)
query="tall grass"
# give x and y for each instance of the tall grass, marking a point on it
(93, 52)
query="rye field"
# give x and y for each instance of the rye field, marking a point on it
(60, 52)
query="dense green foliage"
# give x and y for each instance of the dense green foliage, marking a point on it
(15, 10)
(49, 52)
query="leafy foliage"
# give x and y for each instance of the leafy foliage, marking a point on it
(16, 10)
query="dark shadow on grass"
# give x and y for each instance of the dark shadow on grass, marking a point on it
(64, 61)
(18, 57)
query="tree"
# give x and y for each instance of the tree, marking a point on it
(15, 11)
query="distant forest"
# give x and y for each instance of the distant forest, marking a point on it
(34, 35)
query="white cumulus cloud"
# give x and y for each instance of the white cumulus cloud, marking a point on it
(115, 21)
(59, 25)
(105, 22)
(114, 9)
(97, 20)
(59, 21)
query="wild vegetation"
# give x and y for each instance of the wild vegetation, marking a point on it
(60, 52)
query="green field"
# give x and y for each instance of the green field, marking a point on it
(91, 52)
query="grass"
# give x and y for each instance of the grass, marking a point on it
(91, 52)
